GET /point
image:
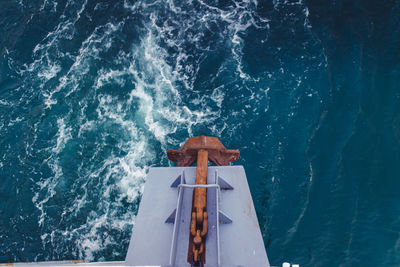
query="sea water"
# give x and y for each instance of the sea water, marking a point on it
(93, 93)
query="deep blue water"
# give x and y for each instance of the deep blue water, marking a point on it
(93, 93)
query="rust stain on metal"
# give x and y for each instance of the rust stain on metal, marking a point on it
(77, 261)
(201, 149)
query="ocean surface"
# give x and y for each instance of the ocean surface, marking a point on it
(93, 93)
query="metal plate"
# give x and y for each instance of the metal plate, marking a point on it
(240, 241)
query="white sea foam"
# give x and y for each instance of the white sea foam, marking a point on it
(107, 76)
(131, 171)
(49, 184)
(13, 121)
(52, 4)
(63, 135)
(4, 102)
(49, 72)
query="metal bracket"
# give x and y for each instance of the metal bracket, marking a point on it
(224, 184)
(223, 218)
(179, 180)
(171, 218)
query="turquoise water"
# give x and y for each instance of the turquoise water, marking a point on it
(93, 93)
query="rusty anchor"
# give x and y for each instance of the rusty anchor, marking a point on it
(201, 149)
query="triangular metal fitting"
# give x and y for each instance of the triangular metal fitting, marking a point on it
(177, 181)
(224, 185)
(171, 218)
(223, 218)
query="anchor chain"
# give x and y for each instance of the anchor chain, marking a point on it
(202, 149)
(199, 220)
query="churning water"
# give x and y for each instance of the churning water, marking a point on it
(93, 93)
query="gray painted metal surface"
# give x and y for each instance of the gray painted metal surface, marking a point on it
(161, 233)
